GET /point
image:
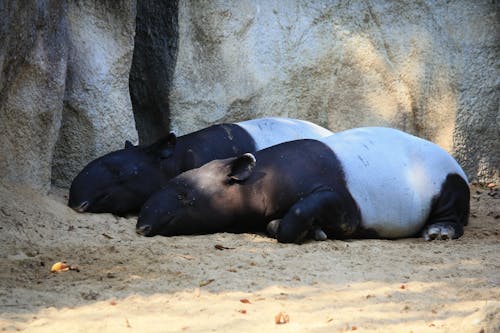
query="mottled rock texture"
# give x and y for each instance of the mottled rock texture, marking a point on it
(429, 68)
(73, 86)
(153, 64)
(64, 96)
(97, 114)
(33, 60)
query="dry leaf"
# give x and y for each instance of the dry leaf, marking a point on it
(281, 318)
(207, 282)
(112, 302)
(245, 300)
(222, 247)
(59, 267)
(243, 311)
(62, 266)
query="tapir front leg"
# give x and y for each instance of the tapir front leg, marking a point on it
(316, 233)
(319, 209)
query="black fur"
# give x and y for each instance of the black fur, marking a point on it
(452, 206)
(120, 182)
(304, 175)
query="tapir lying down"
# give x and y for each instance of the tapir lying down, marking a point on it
(361, 183)
(121, 181)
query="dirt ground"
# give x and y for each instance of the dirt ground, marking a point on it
(128, 283)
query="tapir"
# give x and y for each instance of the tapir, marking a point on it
(121, 181)
(371, 182)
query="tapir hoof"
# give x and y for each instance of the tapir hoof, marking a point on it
(439, 231)
(272, 228)
(320, 235)
(144, 230)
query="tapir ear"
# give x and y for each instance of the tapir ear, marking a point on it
(168, 145)
(242, 167)
(128, 144)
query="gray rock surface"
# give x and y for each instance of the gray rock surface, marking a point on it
(64, 95)
(477, 62)
(430, 68)
(97, 115)
(33, 59)
(153, 64)
(425, 67)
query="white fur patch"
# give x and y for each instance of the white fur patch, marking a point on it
(268, 132)
(392, 176)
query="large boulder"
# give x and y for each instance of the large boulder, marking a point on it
(97, 115)
(427, 68)
(33, 59)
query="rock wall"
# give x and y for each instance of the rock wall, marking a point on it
(64, 97)
(473, 27)
(97, 114)
(425, 67)
(68, 70)
(153, 64)
(33, 60)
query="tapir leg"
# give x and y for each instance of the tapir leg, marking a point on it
(315, 211)
(450, 210)
(272, 228)
(317, 233)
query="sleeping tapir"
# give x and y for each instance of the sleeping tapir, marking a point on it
(121, 181)
(369, 182)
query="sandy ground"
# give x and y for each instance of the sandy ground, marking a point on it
(128, 283)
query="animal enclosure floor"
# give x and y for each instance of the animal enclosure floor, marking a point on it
(238, 283)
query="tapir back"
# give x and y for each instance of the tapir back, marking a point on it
(271, 131)
(393, 176)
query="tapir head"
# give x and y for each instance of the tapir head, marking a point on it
(197, 201)
(121, 181)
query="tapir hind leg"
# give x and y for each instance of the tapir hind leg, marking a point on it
(450, 210)
(324, 210)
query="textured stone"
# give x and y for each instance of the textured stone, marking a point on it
(33, 58)
(430, 68)
(153, 64)
(424, 67)
(477, 131)
(97, 115)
